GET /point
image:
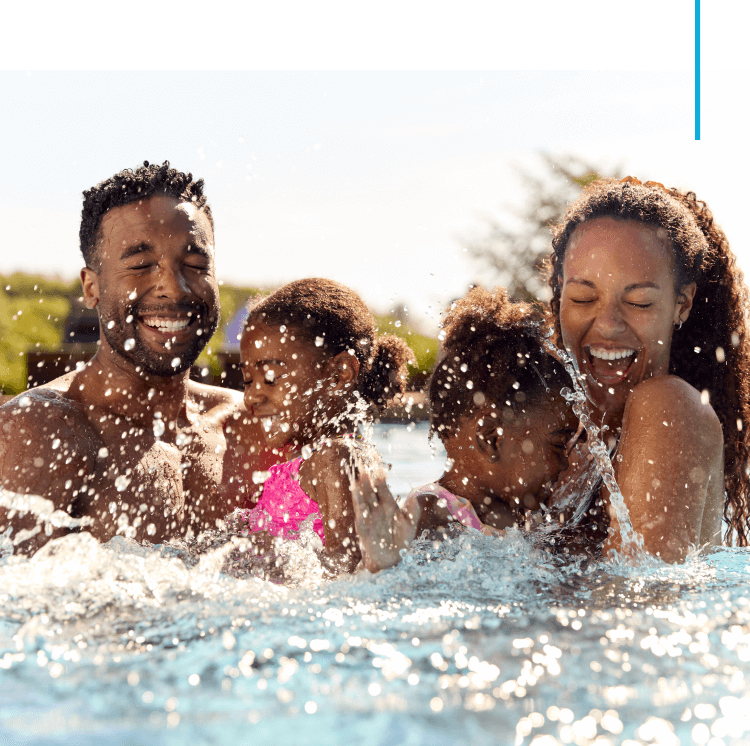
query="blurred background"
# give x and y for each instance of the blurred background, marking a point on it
(407, 186)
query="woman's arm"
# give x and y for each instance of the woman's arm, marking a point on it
(669, 467)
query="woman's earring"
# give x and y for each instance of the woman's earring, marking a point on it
(680, 326)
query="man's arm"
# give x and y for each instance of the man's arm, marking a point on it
(47, 448)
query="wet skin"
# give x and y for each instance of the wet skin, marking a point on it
(298, 392)
(129, 440)
(618, 311)
(501, 461)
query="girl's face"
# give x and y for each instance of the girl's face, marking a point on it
(285, 380)
(618, 307)
(532, 451)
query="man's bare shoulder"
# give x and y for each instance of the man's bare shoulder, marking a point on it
(213, 397)
(46, 441)
(43, 405)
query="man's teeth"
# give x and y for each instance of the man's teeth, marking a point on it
(167, 325)
(610, 354)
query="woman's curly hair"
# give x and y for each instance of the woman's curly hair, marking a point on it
(712, 350)
(320, 309)
(492, 353)
(130, 186)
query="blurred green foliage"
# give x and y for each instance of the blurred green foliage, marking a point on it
(232, 298)
(33, 310)
(425, 348)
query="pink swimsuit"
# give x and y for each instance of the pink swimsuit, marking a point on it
(282, 507)
(459, 507)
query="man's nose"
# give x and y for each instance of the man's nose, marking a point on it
(171, 283)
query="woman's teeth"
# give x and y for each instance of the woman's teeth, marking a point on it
(610, 354)
(166, 325)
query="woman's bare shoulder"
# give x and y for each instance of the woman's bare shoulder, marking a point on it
(669, 401)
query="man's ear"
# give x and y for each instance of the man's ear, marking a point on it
(488, 437)
(685, 297)
(90, 285)
(344, 370)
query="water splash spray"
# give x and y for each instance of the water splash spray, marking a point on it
(632, 541)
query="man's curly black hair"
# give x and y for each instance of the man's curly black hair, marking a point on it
(131, 185)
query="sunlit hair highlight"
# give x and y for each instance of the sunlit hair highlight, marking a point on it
(492, 355)
(330, 315)
(131, 185)
(712, 350)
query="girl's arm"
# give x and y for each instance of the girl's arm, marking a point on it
(669, 468)
(326, 478)
(384, 529)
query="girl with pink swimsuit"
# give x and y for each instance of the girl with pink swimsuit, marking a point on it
(314, 370)
(495, 404)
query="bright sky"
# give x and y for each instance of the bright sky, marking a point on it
(365, 173)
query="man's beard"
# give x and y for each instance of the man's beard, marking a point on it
(125, 339)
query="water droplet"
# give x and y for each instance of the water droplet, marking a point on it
(158, 428)
(396, 323)
(103, 453)
(131, 295)
(108, 392)
(319, 341)
(129, 319)
(110, 324)
(260, 476)
(306, 452)
(55, 444)
(129, 343)
(176, 361)
(122, 482)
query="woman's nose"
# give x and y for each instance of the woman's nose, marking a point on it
(609, 321)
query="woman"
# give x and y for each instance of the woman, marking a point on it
(649, 303)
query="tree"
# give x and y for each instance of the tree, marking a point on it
(514, 249)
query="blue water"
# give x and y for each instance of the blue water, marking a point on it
(476, 641)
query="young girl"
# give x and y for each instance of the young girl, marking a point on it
(648, 300)
(314, 369)
(495, 404)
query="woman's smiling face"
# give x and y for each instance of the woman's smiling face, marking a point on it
(618, 306)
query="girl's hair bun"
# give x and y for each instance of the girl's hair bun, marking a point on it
(387, 377)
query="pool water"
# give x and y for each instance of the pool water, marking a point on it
(474, 641)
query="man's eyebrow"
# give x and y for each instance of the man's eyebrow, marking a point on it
(199, 250)
(135, 249)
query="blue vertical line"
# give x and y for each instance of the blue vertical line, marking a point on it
(697, 69)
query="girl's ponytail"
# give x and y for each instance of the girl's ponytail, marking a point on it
(386, 377)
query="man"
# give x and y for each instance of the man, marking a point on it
(129, 440)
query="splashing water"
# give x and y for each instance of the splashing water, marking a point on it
(472, 640)
(632, 541)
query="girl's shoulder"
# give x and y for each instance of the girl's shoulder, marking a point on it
(340, 454)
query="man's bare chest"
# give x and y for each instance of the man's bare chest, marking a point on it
(148, 483)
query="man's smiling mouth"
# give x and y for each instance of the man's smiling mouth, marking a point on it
(163, 324)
